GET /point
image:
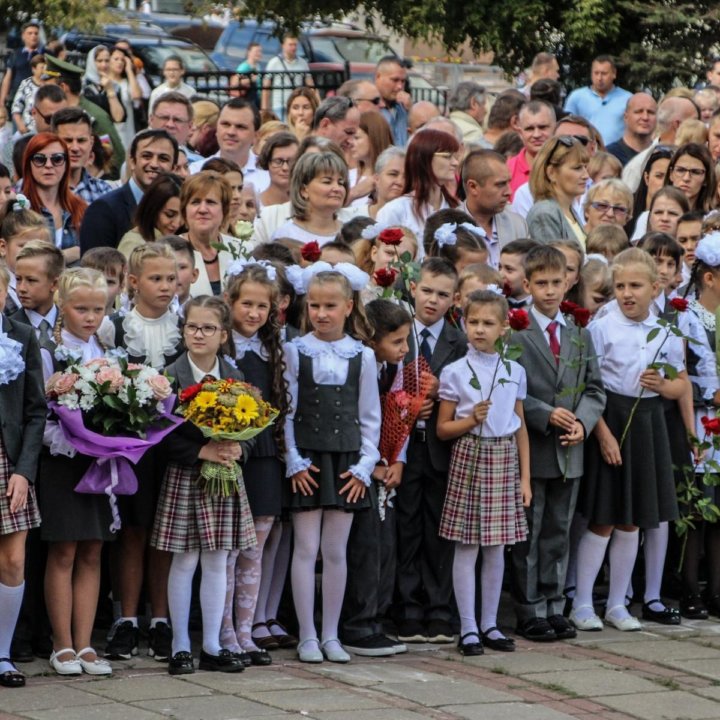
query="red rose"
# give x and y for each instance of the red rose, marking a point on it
(310, 251)
(568, 308)
(581, 316)
(190, 392)
(519, 319)
(391, 236)
(507, 290)
(679, 304)
(385, 277)
(711, 425)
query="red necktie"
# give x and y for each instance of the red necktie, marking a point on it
(554, 342)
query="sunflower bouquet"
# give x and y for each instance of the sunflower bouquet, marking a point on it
(225, 410)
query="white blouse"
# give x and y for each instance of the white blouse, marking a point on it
(330, 364)
(293, 231)
(86, 351)
(455, 386)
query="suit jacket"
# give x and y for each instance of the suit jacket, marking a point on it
(451, 345)
(546, 221)
(107, 219)
(22, 405)
(510, 226)
(546, 382)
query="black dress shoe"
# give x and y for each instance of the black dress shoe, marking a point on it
(21, 651)
(537, 630)
(259, 657)
(244, 658)
(181, 663)
(11, 678)
(224, 661)
(470, 649)
(692, 607)
(562, 627)
(666, 616)
(502, 644)
(713, 605)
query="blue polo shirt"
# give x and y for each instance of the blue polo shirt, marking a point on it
(605, 113)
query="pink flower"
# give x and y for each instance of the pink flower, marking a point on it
(110, 375)
(160, 386)
(64, 383)
(135, 366)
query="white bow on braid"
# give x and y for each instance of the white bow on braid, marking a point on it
(357, 278)
(237, 266)
(708, 249)
(446, 234)
(294, 275)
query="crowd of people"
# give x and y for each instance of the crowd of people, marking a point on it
(534, 285)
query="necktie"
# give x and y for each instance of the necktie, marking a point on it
(44, 337)
(554, 342)
(425, 349)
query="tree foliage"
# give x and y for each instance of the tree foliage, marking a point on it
(55, 15)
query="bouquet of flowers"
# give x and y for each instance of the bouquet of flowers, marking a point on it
(113, 411)
(225, 410)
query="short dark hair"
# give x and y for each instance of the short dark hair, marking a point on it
(70, 116)
(542, 258)
(659, 244)
(352, 229)
(104, 259)
(340, 246)
(179, 245)
(174, 58)
(242, 104)
(275, 141)
(37, 60)
(153, 135)
(334, 109)
(503, 110)
(50, 92)
(692, 216)
(172, 96)
(386, 317)
(606, 59)
(274, 252)
(439, 266)
(521, 246)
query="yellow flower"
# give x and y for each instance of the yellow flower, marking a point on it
(205, 400)
(246, 409)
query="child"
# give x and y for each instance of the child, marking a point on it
(332, 433)
(462, 244)
(336, 252)
(574, 260)
(558, 422)
(111, 263)
(607, 240)
(512, 270)
(424, 558)
(489, 477)
(252, 296)
(595, 287)
(372, 254)
(20, 442)
(630, 486)
(75, 525)
(191, 524)
(689, 232)
(603, 166)
(187, 273)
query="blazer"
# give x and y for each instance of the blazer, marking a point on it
(510, 226)
(202, 285)
(546, 221)
(451, 345)
(546, 382)
(22, 405)
(107, 219)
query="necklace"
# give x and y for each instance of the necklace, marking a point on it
(213, 261)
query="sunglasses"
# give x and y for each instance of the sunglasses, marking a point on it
(603, 207)
(374, 101)
(567, 141)
(56, 159)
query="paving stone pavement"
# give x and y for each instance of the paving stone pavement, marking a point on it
(660, 673)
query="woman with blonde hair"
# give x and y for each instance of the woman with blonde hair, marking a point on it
(202, 131)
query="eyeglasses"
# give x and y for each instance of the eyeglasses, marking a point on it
(280, 162)
(56, 159)
(603, 207)
(567, 141)
(682, 171)
(46, 118)
(172, 118)
(205, 330)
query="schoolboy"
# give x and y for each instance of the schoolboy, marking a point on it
(424, 577)
(111, 263)
(558, 422)
(475, 277)
(371, 556)
(336, 252)
(512, 270)
(688, 234)
(187, 273)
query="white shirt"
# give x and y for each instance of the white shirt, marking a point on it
(293, 231)
(87, 351)
(198, 374)
(624, 353)
(183, 88)
(641, 227)
(330, 364)
(543, 321)
(248, 344)
(455, 387)
(252, 174)
(280, 64)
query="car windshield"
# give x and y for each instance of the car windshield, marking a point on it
(194, 60)
(356, 50)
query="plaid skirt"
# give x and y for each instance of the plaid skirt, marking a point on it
(483, 504)
(26, 519)
(188, 519)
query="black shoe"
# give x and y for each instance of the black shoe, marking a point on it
(160, 642)
(371, 646)
(412, 631)
(124, 643)
(11, 678)
(666, 616)
(470, 649)
(568, 600)
(224, 661)
(21, 651)
(692, 607)
(259, 657)
(439, 631)
(502, 644)
(181, 663)
(537, 630)
(562, 627)
(244, 658)
(713, 605)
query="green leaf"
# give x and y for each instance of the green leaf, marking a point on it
(653, 333)
(474, 383)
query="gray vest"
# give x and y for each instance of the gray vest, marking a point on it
(327, 416)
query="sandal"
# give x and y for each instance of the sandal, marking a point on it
(11, 678)
(268, 642)
(98, 666)
(285, 640)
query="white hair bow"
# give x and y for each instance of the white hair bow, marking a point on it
(237, 266)
(708, 249)
(354, 275)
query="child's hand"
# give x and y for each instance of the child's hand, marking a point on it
(562, 418)
(224, 452)
(354, 488)
(17, 492)
(426, 408)
(651, 380)
(526, 492)
(380, 472)
(394, 474)
(481, 411)
(575, 436)
(609, 449)
(303, 481)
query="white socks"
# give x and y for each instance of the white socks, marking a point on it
(623, 553)
(182, 570)
(464, 586)
(655, 547)
(10, 602)
(491, 577)
(590, 556)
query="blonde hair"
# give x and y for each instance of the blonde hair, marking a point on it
(21, 222)
(570, 244)
(553, 153)
(39, 249)
(691, 131)
(148, 251)
(362, 248)
(616, 187)
(4, 277)
(607, 240)
(481, 272)
(637, 257)
(79, 277)
(599, 160)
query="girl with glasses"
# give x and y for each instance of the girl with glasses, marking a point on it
(691, 170)
(278, 157)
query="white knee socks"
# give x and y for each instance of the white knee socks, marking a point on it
(10, 602)
(590, 556)
(623, 553)
(655, 547)
(464, 587)
(213, 585)
(491, 577)
(182, 570)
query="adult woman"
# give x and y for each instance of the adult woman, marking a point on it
(157, 214)
(318, 189)
(389, 178)
(373, 136)
(202, 131)
(46, 184)
(431, 161)
(231, 171)
(98, 88)
(122, 74)
(205, 207)
(300, 110)
(608, 202)
(558, 177)
(277, 157)
(691, 171)
(653, 178)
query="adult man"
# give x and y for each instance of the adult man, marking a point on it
(337, 119)
(671, 112)
(503, 115)
(363, 93)
(486, 180)
(237, 124)
(467, 111)
(173, 112)
(537, 122)
(74, 126)
(108, 218)
(713, 72)
(18, 66)
(291, 72)
(640, 121)
(173, 72)
(602, 103)
(390, 79)
(544, 67)
(420, 113)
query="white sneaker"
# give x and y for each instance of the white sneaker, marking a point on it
(592, 623)
(626, 622)
(65, 667)
(99, 666)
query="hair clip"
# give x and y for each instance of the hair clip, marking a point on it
(372, 231)
(353, 274)
(21, 203)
